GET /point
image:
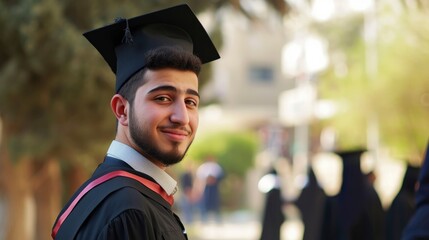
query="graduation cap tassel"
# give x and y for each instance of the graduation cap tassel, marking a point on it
(128, 37)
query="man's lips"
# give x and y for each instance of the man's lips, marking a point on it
(175, 134)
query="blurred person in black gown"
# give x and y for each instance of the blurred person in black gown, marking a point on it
(355, 213)
(311, 203)
(374, 207)
(418, 226)
(273, 217)
(403, 205)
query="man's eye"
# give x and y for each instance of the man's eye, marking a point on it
(162, 99)
(192, 103)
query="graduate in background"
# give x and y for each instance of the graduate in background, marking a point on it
(355, 213)
(311, 203)
(403, 205)
(273, 217)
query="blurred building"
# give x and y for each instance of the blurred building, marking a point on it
(248, 80)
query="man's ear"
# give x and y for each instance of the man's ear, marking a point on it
(120, 108)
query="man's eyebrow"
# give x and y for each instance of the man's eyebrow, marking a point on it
(173, 89)
(193, 92)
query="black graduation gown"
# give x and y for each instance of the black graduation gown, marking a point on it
(273, 217)
(356, 212)
(417, 227)
(311, 204)
(403, 205)
(131, 212)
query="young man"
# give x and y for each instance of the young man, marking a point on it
(156, 58)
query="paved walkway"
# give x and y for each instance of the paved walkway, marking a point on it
(234, 226)
(225, 231)
(240, 225)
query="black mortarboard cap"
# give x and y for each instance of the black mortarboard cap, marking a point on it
(124, 44)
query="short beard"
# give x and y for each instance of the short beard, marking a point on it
(149, 149)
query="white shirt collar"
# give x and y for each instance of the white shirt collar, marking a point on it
(139, 163)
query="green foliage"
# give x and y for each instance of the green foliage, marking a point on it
(235, 151)
(401, 92)
(351, 94)
(396, 95)
(51, 100)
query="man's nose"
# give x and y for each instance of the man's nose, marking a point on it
(180, 114)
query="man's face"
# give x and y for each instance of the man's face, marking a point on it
(164, 116)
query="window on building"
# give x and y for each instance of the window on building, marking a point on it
(261, 74)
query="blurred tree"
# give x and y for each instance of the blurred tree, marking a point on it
(398, 93)
(345, 81)
(51, 106)
(401, 93)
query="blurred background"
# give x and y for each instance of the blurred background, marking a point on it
(298, 81)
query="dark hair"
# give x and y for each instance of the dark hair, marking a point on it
(160, 58)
